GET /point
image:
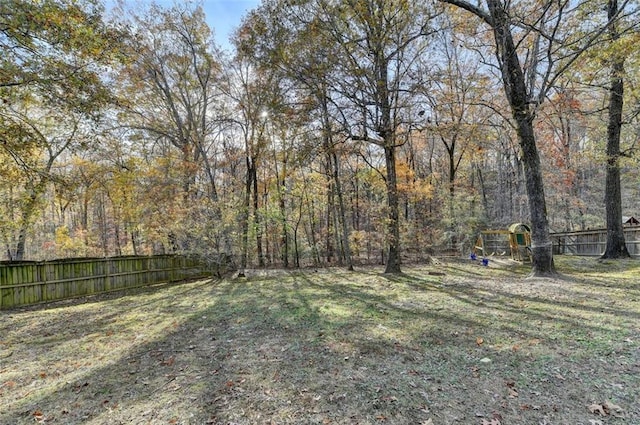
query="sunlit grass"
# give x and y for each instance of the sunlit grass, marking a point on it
(334, 347)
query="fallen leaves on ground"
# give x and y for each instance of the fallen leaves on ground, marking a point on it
(39, 417)
(614, 409)
(606, 408)
(330, 348)
(597, 409)
(513, 392)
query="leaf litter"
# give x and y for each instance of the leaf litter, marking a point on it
(466, 345)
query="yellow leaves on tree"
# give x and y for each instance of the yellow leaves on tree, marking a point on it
(410, 185)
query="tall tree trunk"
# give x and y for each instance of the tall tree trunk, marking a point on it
(24, 227)
(84, 216)
(222, 237)
(452, 193)
(244, 225)
(616, 246)
(483, 192)
(116, 232)
(296, 249)
(281, 185)
(516, 90)
(134, 241)
(311, 236)
(334, 167)
(541, 246)
(343, 218)
(328, 244)
(387, 129)
(102, 215)
(257, 218)
(515, 86)
(336, 230)
(28, 212)
(284, 233)
(393, 236)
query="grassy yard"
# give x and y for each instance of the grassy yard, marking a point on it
(451, 343)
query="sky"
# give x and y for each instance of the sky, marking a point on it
(225, 15)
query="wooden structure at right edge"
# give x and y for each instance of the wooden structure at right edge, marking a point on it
(516, 241)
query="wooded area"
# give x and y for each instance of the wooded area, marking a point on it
(336, 132)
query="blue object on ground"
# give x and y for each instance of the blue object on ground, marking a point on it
(473, 257)
(485, 261)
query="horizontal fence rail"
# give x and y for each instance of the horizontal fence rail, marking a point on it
(593, 242)
(27, 283)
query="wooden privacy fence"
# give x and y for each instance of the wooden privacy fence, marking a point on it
(593, 242)
(35, 282)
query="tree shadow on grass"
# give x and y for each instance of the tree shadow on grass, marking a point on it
(523, 323)
(58, 315)
(259, 351)
(589, 326)
(305, 348)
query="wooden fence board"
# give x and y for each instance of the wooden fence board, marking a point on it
(30, 282)
(592, 242)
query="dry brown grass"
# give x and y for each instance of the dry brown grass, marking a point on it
(476, 345)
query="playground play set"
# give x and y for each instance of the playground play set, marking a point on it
(516, 242)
